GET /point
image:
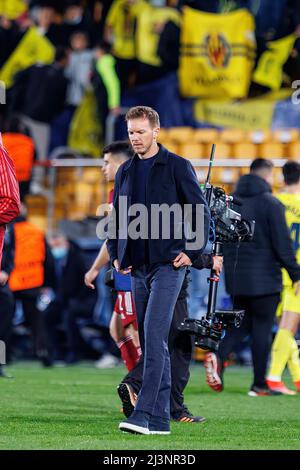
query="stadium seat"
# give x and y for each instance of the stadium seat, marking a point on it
(222, 151)
(163, 135)
(90, 175)
(180, 134)
(271, 150)
(191, 150)
(206, 136)
(243, 170)
(259, 136)
(294, 150)
(245, 150)
(229, 175)
(286, 136)
(232, 136)
(172, 146)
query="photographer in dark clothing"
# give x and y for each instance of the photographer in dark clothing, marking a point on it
(180, 349)
(254, 282)
(72, 299)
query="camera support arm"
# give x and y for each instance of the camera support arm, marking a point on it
(213, 283)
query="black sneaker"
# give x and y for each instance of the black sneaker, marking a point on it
(138, 423)
(188, 417)
(128, 398)
(262, 392)
(159, 425)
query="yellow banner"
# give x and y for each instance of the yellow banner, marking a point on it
(217, 53)
(269, 69)
(12, 9)
(150, 21)
(31, 49)
(252, 114)
(85, 130)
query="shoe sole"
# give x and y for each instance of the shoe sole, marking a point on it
(287, 392)
(190, 420)
(281, 389)
(255, 394)
(126, 400)
(133, 428)
(160, 432)
(211, 367)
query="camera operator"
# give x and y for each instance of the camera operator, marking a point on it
(254, 282)
(180, 349)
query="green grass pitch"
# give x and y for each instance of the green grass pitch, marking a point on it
(78, 408)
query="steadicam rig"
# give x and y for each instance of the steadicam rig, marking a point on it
(227, 226)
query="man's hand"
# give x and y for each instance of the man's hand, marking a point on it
(90, 276)
(182, 260)
(3, 278)
(119, 270)
(297, 290)
(218, 264)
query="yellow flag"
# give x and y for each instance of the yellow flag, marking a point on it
(31, 49)
(85, 133)
(217, 54)
(12, 9)
(269, 68)
(150, 21)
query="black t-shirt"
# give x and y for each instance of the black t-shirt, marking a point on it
(139, 249)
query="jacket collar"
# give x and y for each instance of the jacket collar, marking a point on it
(162, 158)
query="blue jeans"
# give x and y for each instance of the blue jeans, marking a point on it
(155, 291)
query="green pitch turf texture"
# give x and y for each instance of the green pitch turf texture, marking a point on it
(78, 408)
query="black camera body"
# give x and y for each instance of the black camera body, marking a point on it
(209, 334)
(227, 227)
(228, 224)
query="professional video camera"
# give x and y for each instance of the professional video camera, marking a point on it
(227, 226)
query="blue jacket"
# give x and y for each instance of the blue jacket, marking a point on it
(172, 180)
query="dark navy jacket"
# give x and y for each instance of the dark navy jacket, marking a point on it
(258, 270)
(172, 180)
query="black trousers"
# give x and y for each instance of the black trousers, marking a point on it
(258, 322)
(180, 349)
(35, 320)
(7, 305)
(56, 314)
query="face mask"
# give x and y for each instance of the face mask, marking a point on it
(76, 20)
(59, 252)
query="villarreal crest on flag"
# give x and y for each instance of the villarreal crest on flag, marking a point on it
(217, 53)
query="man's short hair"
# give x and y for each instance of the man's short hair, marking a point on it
(120, 150)
(261, 164)
(291, 172)
(144, 112)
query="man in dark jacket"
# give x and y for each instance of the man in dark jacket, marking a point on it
(158, 262)
(72, 299)
(39, 95)
(255, 281)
